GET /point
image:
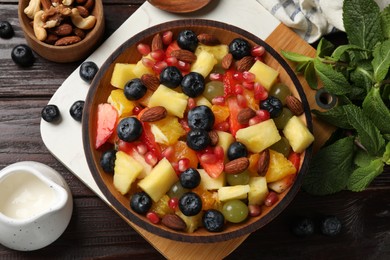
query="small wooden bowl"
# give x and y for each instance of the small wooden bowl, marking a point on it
(63, 54)
(179, 6)
(100, 90)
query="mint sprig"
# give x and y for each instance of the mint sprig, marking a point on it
(358, 73)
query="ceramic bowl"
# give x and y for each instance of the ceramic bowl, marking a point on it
(69, 53)
(100, 90)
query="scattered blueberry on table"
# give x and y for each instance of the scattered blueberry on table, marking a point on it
(6, 30)
(76, 110)
(88, 71)
(50, 113)
(22, 55)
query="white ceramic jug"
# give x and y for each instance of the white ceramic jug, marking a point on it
(35, 205)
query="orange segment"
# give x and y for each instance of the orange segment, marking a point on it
(167, 131)
(253, 160)
(209, 199)
(251, 99)
(183, 151)
(221, 113)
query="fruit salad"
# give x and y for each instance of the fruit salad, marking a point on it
(200, 133)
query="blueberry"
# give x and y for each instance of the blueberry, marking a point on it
(6, 30)
(171, 77)
(50, 113)
(302, 226)
(190, 178)
(330, 226)
(129, 129)
(140, 202)
(76, 110)
(134, 89)
(107, 161)
(88, 71)
(190, 204)
(22, 55)
(201, 117)
(213, 220)
(187, 40)
(198, 139)
(193, 84)
(273, 105)
(237, 150)
(239, 48)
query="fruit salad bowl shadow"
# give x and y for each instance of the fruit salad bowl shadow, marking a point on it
(101, 89)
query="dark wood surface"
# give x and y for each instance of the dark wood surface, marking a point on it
(95, 231)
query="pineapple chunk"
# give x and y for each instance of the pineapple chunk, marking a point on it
(219, 51)
(159, 180)
(209, 183)
(265, 75)
(297, 134)
(259, 136)
(123, 72)
(225, 140)
(167, 131)
(126, 170)
(147, 168)
(204, 63)
(201, 100)
(118, 100)
(233, 192)
(140, 69)
(258, 190)
(282, 184)
(175, 103)
(279, 167)
(192, 222)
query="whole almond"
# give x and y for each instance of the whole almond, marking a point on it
(213, 137)
(51, 38)
(295, 105)
(63, 29)
(154, 114)
(157, 43)
(83, 11)
(208, 39)
(227, 61)
(79, 32)
(263, 163)
(245, 63)
(184, 55)
(67, 40)
(150, 81)
(89, 4)
(244, 115)
(174, 222)
(237, 165)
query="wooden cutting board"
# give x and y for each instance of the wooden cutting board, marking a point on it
(69, 150)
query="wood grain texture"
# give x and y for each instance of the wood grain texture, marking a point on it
(179, 6)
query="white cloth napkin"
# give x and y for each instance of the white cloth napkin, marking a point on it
(310, 18)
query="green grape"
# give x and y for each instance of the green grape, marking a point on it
(281, 91)
(213, 89)
(282, 146)
(176, 191)
(235, 211)
(238, 179)
(283, 118)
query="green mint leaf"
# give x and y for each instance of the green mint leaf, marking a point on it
(295, 57)
(363, 176)
(324, 48)
(361, 79)
(381, 61)
(334, 81)
(311, 76)
(342, 49)
(368, 133)
(335, 116)
(376, 110)
(301, 66)
(362, 23)
(362, 158)
(385, 22)
(330, 168)
(386, 155)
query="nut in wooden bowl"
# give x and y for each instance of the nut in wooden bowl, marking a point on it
(141, 170)
(62, 31)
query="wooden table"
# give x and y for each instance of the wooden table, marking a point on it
(95, 231)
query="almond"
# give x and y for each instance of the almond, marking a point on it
(83, 11)
(150, 81)
(237, 165)
(208, 39)
(154, 114)
(157, 43)
(213, 137)
(227, 61)
(79, 32)
(67, 40)
(63, 29)
(174, 222)
(51, 38)
(245, 63)
(263, 162)
(184, 55)
(244, 115)
(295, 105)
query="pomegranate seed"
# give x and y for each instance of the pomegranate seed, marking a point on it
(208, 158)
(263, 114)
(260, 93)
(184, 164)
(148, 62)
(136, 110)
(167, 37)
(254, 210)
(238, 76)
(151, 159)
(158, 55)
(238, 89)
(144, 49)
(219, 153)
(191, 103)
(216, 76)
(248, 76)
(223, 126)
(173, 203)
(153, 217)
(254, 120)
(248, 85)
(184, 66)
(271, 199)
(241, 101)
(171, 61)
(142, 149)
(159, 66)
(168, 153)
(175, 166)
(218, 101)
(257, 51)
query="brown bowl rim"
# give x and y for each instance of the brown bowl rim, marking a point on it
(142, 221)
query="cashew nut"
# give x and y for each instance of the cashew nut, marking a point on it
(33, 7)
(67, 2)
(38, 24)
(80, 22)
